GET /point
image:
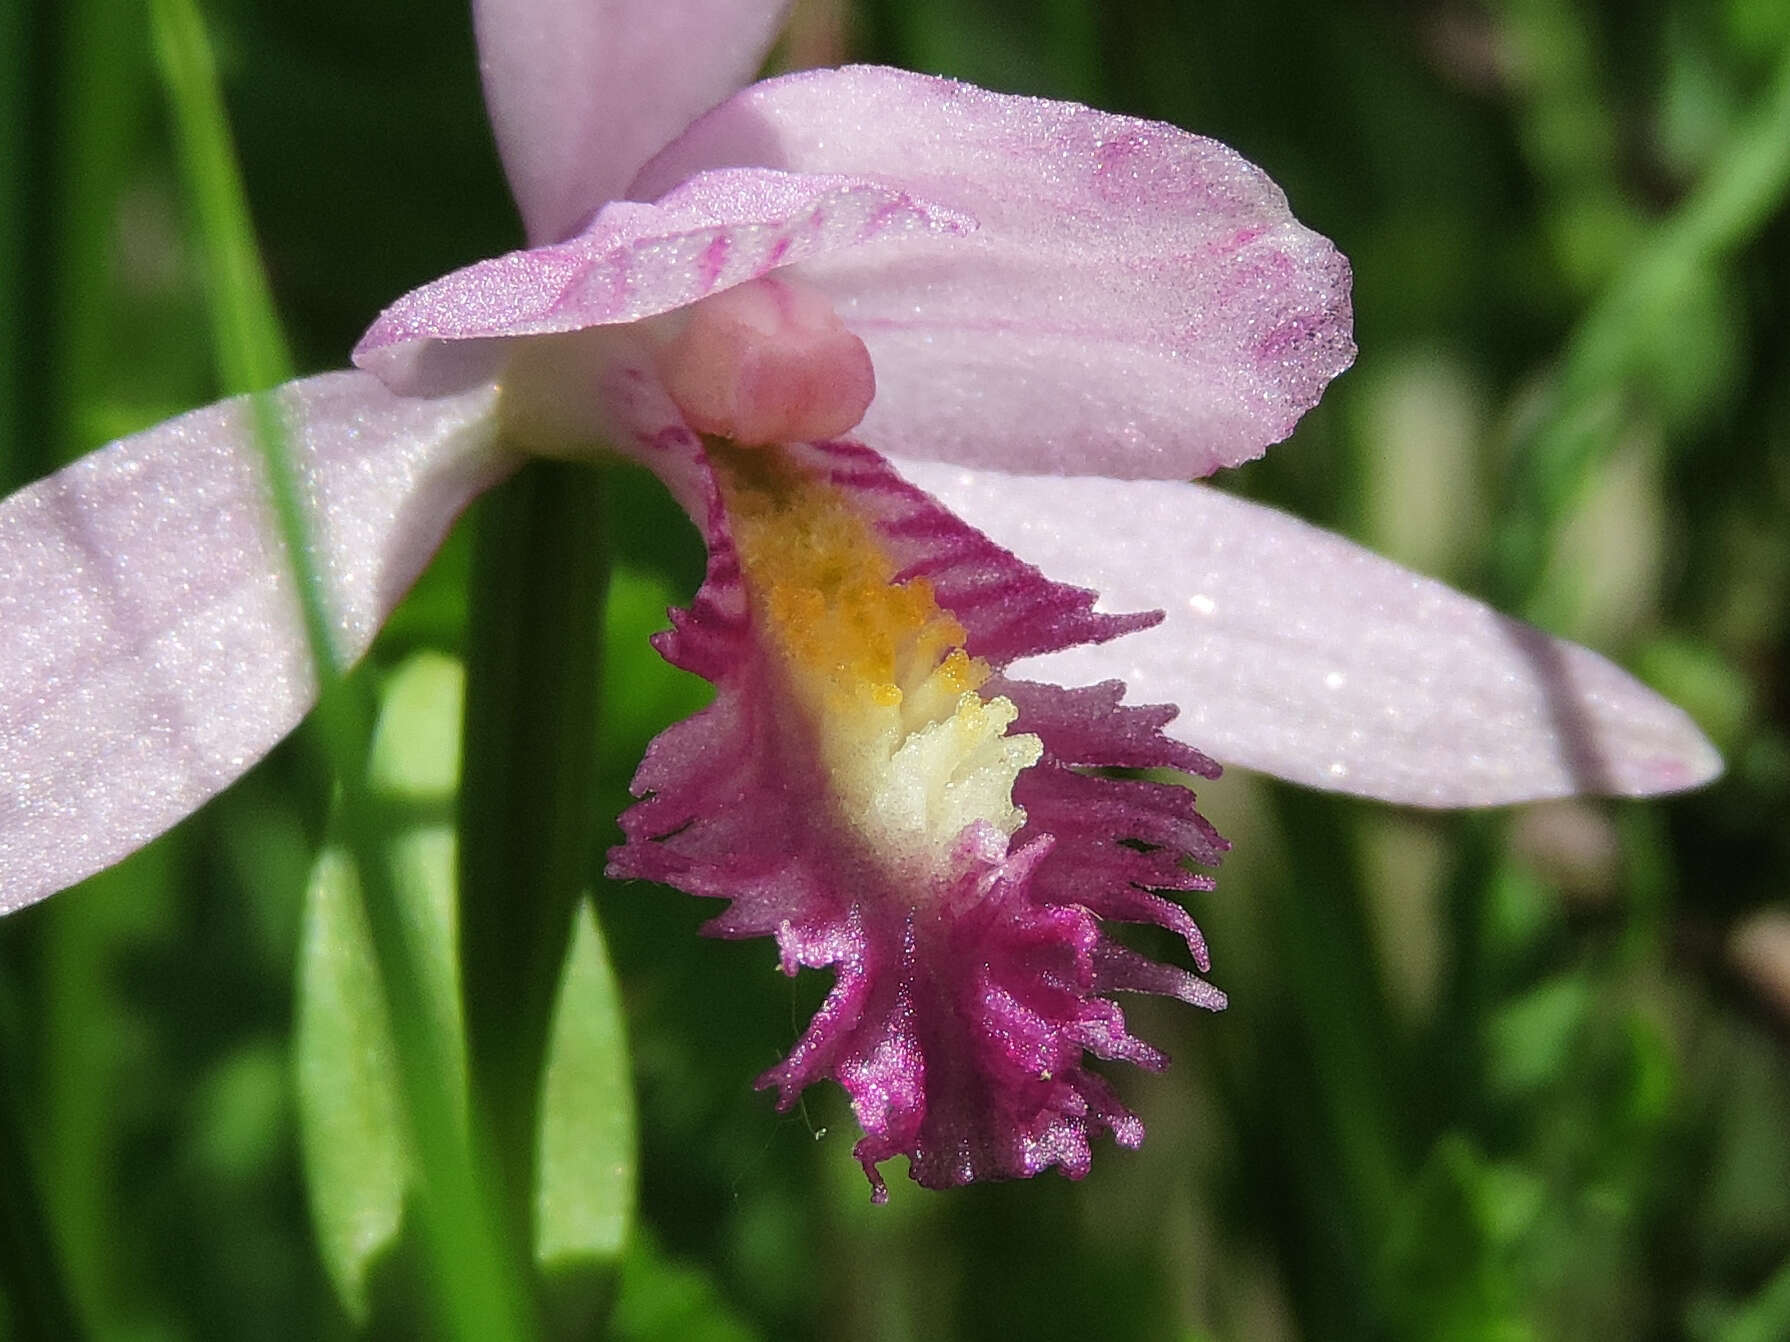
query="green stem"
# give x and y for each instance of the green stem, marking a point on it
(31, 1276)
(528, 805)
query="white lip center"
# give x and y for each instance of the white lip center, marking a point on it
(913, 752)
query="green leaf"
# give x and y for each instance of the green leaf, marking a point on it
(357, 1162)
(584, 1200)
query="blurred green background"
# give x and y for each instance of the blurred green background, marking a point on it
(1519, 1075)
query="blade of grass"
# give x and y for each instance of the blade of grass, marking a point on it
(98, 86)
(31, 1275)
(476, 1275)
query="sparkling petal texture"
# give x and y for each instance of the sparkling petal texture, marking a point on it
(1298, 653)
(582, 91)
(151, 647)
(714, 231)
(1136, 301)
(960, 1015)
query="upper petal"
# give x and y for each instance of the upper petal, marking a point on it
(581, 92)
(151, 647)
(1136, 301)
(1296, 652)
(714, 231)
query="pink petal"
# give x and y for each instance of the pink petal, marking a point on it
(583, 91)
(1296, 652)
(1136, 301)
(150, 643)
(714, 231)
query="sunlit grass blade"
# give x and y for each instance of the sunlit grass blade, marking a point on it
(96, 85)
(250, 348)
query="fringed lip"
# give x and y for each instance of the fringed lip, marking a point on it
(966, 1004)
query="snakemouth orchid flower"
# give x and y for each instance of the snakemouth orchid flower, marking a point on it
(901, 347)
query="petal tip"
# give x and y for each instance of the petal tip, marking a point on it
(1689, 762)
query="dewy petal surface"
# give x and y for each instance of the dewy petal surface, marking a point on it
(635, 260)
(581, 92)
(1296, 652)
(151, 647)
(1136, 301)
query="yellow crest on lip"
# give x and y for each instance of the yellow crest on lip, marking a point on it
(914, 753)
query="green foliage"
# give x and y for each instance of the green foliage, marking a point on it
(358, 1163)
(584, 1194)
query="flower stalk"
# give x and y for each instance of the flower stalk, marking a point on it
(528, 812)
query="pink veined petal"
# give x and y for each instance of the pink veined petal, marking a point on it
(1296, 652)
(151, 648)
(581, 92)
(710, 233)
(1136, 301)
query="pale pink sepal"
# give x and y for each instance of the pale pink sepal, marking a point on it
(717, 230)
(1136, 301)
(1296, 652)
(151, 648)
(582, 91)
